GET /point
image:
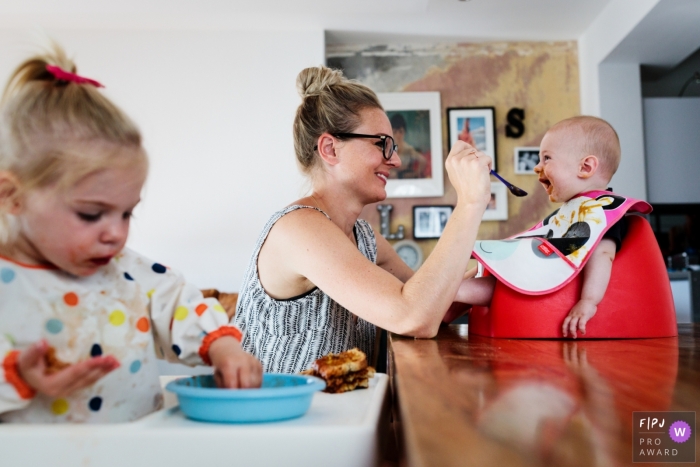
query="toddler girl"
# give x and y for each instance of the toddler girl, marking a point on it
(82, 319)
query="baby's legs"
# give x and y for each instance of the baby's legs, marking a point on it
(476, 291)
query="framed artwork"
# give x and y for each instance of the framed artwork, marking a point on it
(430, 221)
(497, 209)
(473, 125)
(526, 158)
(415, 122)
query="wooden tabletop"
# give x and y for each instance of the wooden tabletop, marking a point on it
(477, 401)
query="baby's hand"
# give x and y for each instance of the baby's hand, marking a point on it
(235, 368)
(32, 369)
(578, 317)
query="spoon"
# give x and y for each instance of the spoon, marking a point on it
(513, 189)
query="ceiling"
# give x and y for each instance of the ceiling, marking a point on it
(372, 19)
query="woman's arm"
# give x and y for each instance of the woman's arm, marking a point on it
(390, 261)
(319, 251)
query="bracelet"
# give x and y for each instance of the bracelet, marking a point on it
(212, 336)
(12, 375)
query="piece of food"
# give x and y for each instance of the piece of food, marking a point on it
(228, 301)
(53, 364)
(342, 372)
(335, 365)
(351, 381)
(210, 293)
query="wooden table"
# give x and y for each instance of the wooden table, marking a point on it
(475, 401)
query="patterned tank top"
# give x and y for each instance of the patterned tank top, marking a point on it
(288, 335)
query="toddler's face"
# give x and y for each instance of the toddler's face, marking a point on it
(81, 228)
(558, 166)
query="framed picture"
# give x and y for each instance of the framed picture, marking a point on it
(415, 122)
(526, 158)
(430, 221)
(497, 209)
(473, 125)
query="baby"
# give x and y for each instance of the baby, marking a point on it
(82, 318)
(578, 158)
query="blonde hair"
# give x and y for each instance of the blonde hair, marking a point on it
(330, 103)
(598, 138)
(43, 118)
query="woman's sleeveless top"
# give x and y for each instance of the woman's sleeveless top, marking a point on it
(288, 335)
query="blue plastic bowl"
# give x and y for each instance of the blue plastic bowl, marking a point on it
(281, 397)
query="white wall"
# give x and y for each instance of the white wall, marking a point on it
(625, 34)
(604, 34)
(621, 105)
(673, 149)
(216, 111)
(613, 90)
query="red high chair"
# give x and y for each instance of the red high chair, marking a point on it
(638, 302)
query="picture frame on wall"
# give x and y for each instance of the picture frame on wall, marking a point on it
(497, 209)
(473, 125)
(417, 129)
(526, 158)
(430, 221)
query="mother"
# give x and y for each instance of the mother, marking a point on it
(319, 280)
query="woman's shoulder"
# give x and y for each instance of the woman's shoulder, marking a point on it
(365, 225)
(300, 218)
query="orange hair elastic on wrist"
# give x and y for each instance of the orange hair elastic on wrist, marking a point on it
(13, 377)
(212, 336)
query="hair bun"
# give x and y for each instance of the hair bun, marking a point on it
(34, 69)
(315, 80)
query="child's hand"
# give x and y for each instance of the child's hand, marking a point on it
(578, 317)
(32, 369)
(235, 368)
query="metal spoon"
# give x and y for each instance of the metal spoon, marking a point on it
(513, 189)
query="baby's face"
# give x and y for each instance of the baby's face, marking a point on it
(81, 228)
(558, 166)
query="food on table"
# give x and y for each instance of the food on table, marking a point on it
(343, 372)
(227, 300)
(211, 293)
(53, 364)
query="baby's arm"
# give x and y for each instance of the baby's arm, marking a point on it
(596, 275)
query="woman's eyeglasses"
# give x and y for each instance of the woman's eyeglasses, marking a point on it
(389, 147)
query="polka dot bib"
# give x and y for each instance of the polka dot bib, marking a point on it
(132, 308)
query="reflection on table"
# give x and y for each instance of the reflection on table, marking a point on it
(472, 400)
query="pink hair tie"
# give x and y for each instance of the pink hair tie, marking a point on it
(62, 75)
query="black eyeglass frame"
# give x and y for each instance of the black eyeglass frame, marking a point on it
(394, 147)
